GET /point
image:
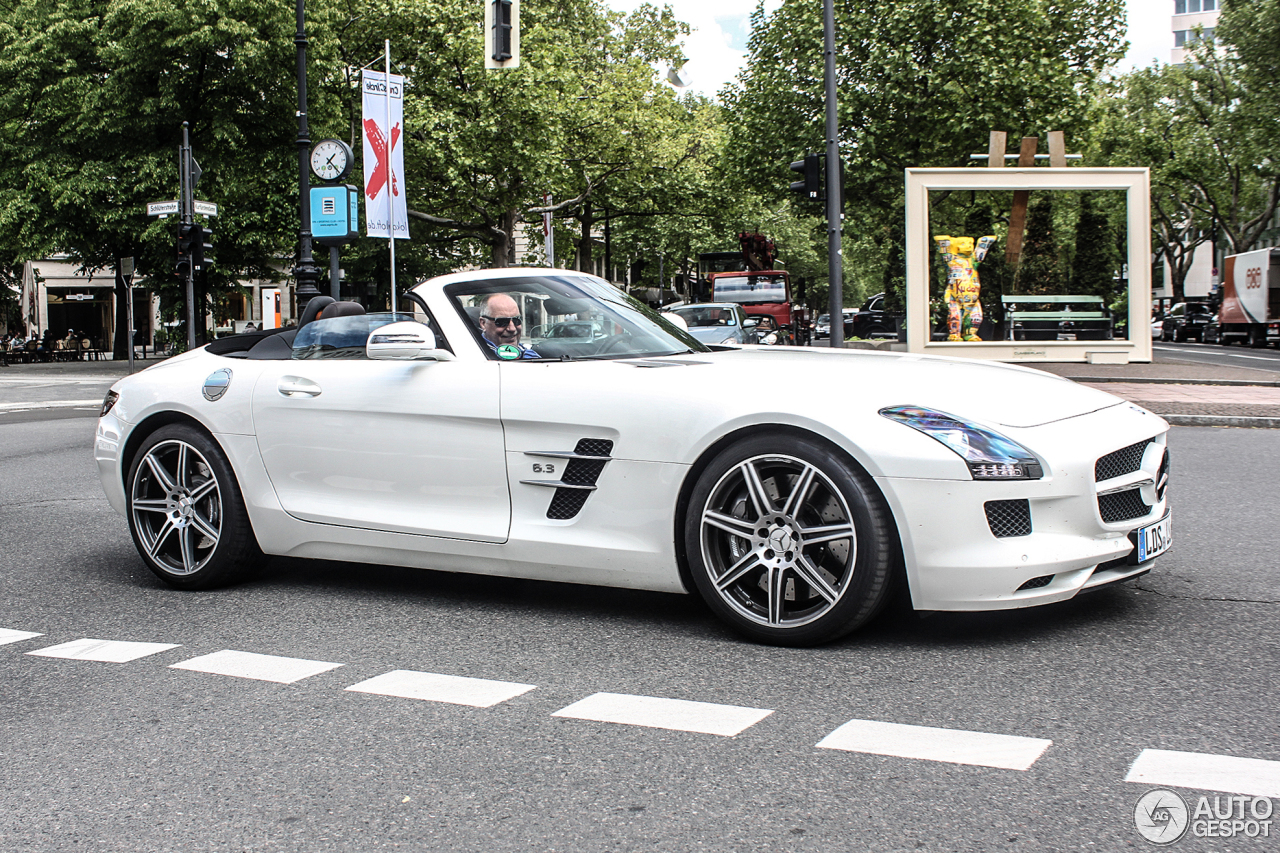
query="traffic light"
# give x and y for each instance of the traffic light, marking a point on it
(201, 247)
(811, 186)
(186, 237)
(501, 30)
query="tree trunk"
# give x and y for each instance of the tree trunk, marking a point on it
(584, 243)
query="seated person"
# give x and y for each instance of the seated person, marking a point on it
(500, 326)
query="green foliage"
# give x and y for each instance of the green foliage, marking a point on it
(920, 84)
(1097, 259)
(1040, 269)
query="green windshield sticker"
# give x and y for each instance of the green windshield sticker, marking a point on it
(508, 351)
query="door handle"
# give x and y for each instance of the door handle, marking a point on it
(296, 386)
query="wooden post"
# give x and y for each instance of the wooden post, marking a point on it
(995, 149)
(1057, 149)
(1018, 217)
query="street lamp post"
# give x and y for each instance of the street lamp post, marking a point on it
(835, 193)
(306, 272)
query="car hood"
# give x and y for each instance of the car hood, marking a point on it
(991, 392)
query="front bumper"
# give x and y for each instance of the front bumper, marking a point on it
(955, 560)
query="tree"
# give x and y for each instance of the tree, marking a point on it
(93, 95)
(1040, 270)
(920, 84)
(1097, 259)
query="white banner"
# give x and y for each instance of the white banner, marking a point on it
(384, 200)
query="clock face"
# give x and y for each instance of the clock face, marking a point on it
(331, 159)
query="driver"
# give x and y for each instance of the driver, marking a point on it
(500, 324)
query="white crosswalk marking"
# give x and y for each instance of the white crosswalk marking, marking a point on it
(255, 666)
(8, 635)
(1202, 771)
(951, 745)
(432, 687)
(675, 714)
(106, 651)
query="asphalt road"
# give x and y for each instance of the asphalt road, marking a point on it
(140, 756)
(1232, 356)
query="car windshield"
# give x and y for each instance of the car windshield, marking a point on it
(749, 288)
(706, 315)
(564, 317)
(340, 337)
(1197, 309)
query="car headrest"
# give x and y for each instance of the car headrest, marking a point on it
(341, 309)
(473, 311)
(314, 307)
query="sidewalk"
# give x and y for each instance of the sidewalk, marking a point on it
(1184, 394)
(1187, 394)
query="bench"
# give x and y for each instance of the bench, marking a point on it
(1091, 323)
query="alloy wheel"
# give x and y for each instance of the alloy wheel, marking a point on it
(778, 540)
(177, 507)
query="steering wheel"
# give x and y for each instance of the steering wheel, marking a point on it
(615, 343)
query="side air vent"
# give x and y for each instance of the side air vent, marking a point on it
(1126, 460)
(1037, 583)
(582, 468)
(1009, 518)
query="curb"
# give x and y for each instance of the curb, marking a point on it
(1148, 380)
(1223, 421)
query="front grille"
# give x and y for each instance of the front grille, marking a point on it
(1122, 506)
(1009, 518)
(1126, 460)
(1036, 583)
(566, 503)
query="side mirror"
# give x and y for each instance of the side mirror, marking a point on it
(750, 323)
(405, 341)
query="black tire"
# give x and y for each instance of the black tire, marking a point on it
(1179, 336)
(748, 537)
(186, 513)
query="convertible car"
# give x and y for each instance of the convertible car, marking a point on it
(793, 489)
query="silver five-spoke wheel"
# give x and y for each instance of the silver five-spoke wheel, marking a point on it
(788, 540)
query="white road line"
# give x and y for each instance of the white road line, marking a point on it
(107, 651)
(49, 404)
(675, 714)
(951, 745)
(1202, 771)
(255, 666)
(8, 635)
(432, 687)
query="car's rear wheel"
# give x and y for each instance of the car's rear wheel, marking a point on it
(789, 542)
(186, 513)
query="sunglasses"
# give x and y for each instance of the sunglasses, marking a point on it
(502, 322)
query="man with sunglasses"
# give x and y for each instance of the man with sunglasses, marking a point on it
(500, 325)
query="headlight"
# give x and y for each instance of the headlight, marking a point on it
(771, 338)
(730, 340)
(107, 402)
(989, 455)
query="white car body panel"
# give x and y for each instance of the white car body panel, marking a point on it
(421, 464)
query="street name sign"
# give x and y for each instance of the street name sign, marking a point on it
(162, 208)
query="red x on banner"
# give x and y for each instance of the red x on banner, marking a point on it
(378, 142)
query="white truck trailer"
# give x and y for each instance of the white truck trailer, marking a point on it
(1250, 311)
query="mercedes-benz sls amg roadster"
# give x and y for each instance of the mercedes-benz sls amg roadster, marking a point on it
(793, 489)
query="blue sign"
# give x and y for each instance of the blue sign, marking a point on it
(335, 214)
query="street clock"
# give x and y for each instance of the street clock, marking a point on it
(331, 159)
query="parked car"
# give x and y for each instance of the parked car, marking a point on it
(718, 322)
(1212, 333)
(1186, 320)
(1157, 328)
(871, 320)
(641, 459)
(822, 327)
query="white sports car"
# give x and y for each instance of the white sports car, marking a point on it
(792, 488)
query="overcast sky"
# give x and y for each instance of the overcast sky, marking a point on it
(717, 47)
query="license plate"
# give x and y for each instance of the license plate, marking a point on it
(1151, 541)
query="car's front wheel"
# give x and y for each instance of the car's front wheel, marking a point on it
(186, 513)
(789, 542)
